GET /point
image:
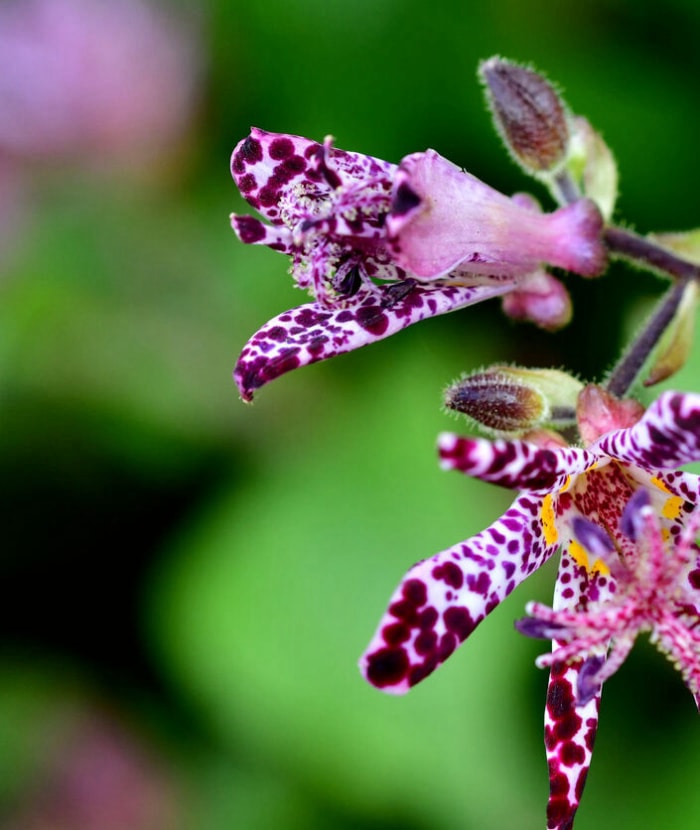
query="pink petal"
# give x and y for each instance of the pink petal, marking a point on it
(443, 219)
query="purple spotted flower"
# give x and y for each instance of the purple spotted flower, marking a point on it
(331, 210)
(654, 586)
(564, 493)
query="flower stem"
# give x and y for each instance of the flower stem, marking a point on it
(644, 252)
(567, 187)
(630, 364)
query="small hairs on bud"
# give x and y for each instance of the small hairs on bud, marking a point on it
(529, 114)
(497, 401)
(511, 400)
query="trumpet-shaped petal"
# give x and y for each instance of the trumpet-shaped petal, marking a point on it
(445, 220)
(574, 500)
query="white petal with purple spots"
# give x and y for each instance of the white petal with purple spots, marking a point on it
(312, 332)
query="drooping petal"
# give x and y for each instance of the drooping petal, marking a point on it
(313, 332)
(667, 435)
(570, 728)
(442, 599)
(443, 219)
(514, 464)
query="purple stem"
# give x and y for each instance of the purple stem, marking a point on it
(630, 365)
(645, 252)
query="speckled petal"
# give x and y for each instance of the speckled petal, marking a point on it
(514, 464)
(569, 730)
(569, 736)
(441, 600)
(288, 174)
(254, 232)
(667, 435)
(312, 332)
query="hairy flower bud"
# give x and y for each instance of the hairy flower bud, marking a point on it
(528, 113)
(507, 400)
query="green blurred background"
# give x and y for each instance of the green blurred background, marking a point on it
(188, 581)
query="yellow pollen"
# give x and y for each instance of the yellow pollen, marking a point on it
(580, 556)
(672, 507)
(566, 484)
(658, 483)
(548, 524)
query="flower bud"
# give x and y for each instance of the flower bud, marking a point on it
(528, 113)
(507, 400)
(598, 412)
(540, 299)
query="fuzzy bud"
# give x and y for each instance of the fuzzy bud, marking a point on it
(528, 113)
(508, 400)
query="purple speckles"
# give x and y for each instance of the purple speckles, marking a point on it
(387, 667)
(250, 230)
(277, 333)
(425, 643)
(415, 592)
(250, 151)
(373, 320)
(247, 183)
(449, 573)
(479, 583)
(281, 147)
(459, 621)
(327, 209)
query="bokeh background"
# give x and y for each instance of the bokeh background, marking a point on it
(187, 582)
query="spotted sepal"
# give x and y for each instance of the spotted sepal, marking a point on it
(312, 332)
(569, 735)
(288, 178)
(442, 599)
(667, 435)
(514, 463)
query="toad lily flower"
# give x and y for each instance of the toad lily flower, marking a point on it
(651, 585)
(333, 211)
(564, 491)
